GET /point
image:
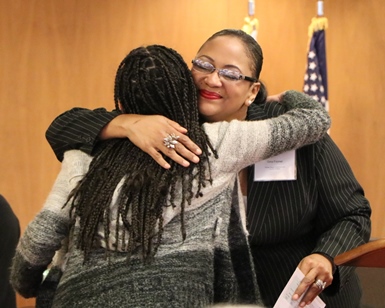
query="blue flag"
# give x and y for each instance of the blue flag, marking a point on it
(316, 82)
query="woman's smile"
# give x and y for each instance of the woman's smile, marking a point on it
(209, 95)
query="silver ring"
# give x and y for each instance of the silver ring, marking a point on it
(170, 141)
(320, 284)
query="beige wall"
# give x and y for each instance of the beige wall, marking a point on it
(59, 54)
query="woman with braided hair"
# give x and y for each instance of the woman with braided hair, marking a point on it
(144, 85)
(140, 235)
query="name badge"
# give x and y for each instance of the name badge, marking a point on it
(278, 168)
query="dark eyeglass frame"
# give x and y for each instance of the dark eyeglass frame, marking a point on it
(207, 68)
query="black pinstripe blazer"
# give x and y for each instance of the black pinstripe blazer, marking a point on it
(324, 210)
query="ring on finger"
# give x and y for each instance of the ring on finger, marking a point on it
(170, 141)
(320, 284)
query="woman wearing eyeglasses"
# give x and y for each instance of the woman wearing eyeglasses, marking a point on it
(303, 222)
(226, 88)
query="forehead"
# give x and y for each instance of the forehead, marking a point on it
(226, 50)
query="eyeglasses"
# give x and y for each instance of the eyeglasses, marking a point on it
(207, 68)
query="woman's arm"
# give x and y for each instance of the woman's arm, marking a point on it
(243, 143)
(81, 129)
(44, 234)
(343, 215)
(77, 128)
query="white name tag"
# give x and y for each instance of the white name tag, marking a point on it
(278, 168)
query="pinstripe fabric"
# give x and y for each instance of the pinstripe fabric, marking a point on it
(78, 129)
(324, 210)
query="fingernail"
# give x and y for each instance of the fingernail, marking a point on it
(166, 166)
(198, 151)
(196, 159)
(185, 163)
(302, 304)
(295, 297)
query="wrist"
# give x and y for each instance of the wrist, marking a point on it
(119, 127)
(330, 258)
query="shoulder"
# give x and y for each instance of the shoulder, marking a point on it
(76, 155)
(236, 132)
(76, 163)
(265, 111)
(3, 201)
(7, 215)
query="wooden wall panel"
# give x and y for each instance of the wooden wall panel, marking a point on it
(58, 54)
(356, 50)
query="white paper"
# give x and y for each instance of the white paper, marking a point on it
(278, 168)
(285, 299)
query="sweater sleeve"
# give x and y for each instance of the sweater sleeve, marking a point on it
(77, 128)
(44, 234)
(242, 143)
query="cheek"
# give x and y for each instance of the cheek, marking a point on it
(197, 78)
(247, 92)
(236, 95)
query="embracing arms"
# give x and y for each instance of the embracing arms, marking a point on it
(242, 143)
(81, 128)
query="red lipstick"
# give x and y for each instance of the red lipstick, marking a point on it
(209, 95)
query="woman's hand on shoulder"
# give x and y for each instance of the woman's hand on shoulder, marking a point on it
(275, 98)
(147, 132)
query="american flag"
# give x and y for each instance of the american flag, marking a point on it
(315, 83)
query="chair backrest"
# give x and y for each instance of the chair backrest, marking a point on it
(371, 254)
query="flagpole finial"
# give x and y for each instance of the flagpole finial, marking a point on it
(320, 8)
(320, 22)
(251, 7)
(251, 24)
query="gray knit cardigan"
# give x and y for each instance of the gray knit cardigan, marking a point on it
(210, 265)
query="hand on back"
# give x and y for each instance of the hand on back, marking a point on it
(148, 133)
